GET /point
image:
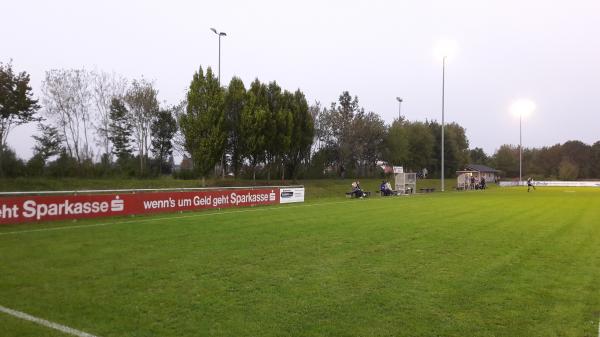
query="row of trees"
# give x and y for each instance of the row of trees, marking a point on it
(263, 125)
(568, 161)
(98, 123)
(126, 117)
(88, 119)
(350, 141)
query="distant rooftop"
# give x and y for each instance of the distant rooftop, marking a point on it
(480, 168)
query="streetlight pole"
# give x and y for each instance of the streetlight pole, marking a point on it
(399, 107)
(443, 101)
(521, 108)
(520, 149)
(219, 34)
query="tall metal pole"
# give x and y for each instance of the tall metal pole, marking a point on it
(443, 97)
(219, 60)
(520, 150)
(399, 110)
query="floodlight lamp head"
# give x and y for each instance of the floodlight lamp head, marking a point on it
(445, 49)
(522, 107)
(214, 30)
(399, 99)
(222, 34)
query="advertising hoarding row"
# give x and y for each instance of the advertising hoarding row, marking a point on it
(33, 208)
(554, 183)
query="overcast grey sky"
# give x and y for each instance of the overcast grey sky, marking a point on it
(548, 51)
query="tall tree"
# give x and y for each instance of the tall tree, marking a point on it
(163, 129)
(578, 154)
(119, 131)
(368, 132)
(235, 101)
(302, 135)
(396, 144)
(274, 106)
(506, 159)
(336, 127)
(203, 124)
(253, 123)
(142, 102)
(478, 156)
(67, 102)
(595, 160)
(17, 105)
(421, 144)
(105, 87)
(284, 124)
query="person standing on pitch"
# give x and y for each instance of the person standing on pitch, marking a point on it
(530, 184)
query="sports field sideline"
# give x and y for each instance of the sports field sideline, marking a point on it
(502, 262)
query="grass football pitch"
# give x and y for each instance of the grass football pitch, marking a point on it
(502, 262)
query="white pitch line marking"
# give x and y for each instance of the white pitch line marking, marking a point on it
(195, 215)
(45, 323)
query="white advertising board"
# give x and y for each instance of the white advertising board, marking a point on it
(398, 169)
(289, 195)
(554, 183)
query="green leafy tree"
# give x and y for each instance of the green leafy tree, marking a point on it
(203, 124)
(48, 143)
(478, 156)
(235, 101)
(17, 105)
(119, 131)
(368, 134)
(336, 128)
(421, 144)
(456, 147)
(397, 150)
(274, 148)
(595, 160)
(302, 135)
(163, 129)
(579, 154)
(567, 170)
(506, 159)
(284, 128)
(253, 124)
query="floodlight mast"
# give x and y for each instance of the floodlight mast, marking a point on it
(522, 107)
(219, 34)
(399, 108)
(520, 148)
(443, 107)
(444, 49)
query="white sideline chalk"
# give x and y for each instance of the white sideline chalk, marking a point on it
(45, 323)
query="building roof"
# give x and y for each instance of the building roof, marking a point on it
(481, 168)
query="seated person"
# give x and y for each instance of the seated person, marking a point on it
(388, 186)
(356, 191)
(385, 188)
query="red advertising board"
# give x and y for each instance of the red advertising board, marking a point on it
(61, 207)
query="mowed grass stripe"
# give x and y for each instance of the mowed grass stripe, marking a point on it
(479, 264)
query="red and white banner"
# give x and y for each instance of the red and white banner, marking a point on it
(44, 208)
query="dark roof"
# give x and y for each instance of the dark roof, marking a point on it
(481, 168)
